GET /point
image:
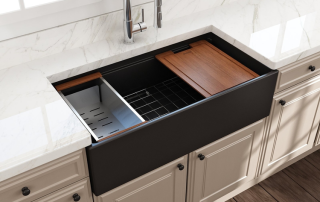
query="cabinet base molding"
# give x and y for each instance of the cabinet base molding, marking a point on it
(264, 176)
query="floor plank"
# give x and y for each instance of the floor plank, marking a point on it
(306, 175)
(254, 194)
(231, 200)
(314, 159)
(284, 189)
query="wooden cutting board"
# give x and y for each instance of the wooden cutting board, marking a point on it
(206, 68)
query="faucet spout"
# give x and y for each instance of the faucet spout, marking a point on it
(127, 24)
(157, 14)
(127, 10)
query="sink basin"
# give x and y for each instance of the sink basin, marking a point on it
(107, 112)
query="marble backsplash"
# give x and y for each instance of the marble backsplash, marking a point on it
(66, 37)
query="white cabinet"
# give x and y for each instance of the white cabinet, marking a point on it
(292, 125)
(45, 179)
(222, 166)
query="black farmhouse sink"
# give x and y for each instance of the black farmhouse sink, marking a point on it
(179, 119)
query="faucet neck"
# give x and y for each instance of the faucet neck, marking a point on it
(157, 14)
(127, 10)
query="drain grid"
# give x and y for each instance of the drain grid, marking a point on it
(163, 98)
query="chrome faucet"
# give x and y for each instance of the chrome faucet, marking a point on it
(157, 14)
(130, 29)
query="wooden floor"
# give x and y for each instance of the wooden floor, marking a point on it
(299, 182)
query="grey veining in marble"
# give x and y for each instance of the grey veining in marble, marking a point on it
(75, 35)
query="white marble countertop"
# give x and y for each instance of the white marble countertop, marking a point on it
(37, 126)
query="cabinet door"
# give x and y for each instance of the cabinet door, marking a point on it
(292, 125)
(227, 164)
(165, 184)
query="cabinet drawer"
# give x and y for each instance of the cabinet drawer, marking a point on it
(45, 179)
(165, 184)
(298, 72)
(81, 189)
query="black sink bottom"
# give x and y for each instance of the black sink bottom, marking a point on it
(163, 98)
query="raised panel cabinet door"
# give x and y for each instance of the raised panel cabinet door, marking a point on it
(292, 124)
(224, 165)
(79, 191)
(45, 179)
(165, 184)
